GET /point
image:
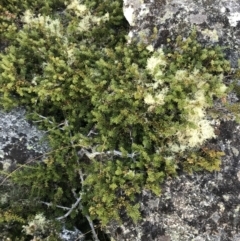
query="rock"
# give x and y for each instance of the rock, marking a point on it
(19, 140)
(203, 206)
(68, 235)
(216, 21)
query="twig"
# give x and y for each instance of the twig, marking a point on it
(43, 117)
(95, 237)
(92, 132)
(94, 154)
(58, 206)
(81, 176)
(71, 209)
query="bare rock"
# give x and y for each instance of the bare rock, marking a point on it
(19, 140)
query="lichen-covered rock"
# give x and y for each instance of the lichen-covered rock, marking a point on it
(202, 206)
(19, 140)
(216, 21)
(68, 235)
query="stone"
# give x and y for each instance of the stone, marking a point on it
(216, 21)
(19, 140)
(69, 235)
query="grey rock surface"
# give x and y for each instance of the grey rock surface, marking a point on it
(218, 22)
(203, 206)
(69, 235)
(20, 141)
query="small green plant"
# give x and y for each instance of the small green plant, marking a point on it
(120, 118)
(234, 108)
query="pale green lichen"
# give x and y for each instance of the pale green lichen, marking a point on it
(51, 25)
(78, 8)
(38, 224)
(193, 137)
(212, 34)
(4, 198)
(155, 64)
(199, 128)
(86, 19)
(157, 99)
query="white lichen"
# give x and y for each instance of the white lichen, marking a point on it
(149, 100)
(181, 75)
(156, 63)
(38, 224)
(4, 199)
(150, 48)
(177, 148)
(157, 100)
(51, 25)
(234, 18)
(212, 34)
(78, 8)
(89, 20)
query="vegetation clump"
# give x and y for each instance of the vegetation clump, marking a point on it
(120, 117)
